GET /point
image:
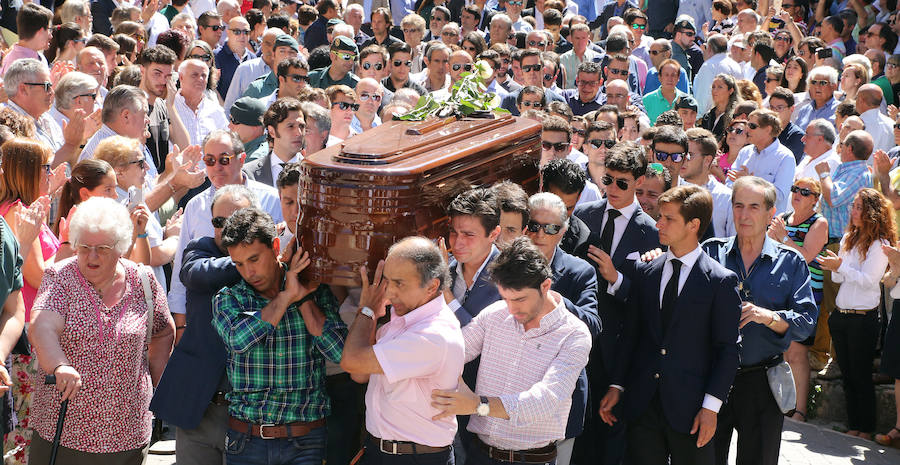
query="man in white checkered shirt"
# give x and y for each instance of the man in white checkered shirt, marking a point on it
(532, 350)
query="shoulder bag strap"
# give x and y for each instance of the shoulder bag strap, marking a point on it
(144, 273)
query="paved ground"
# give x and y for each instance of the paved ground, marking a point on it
(801, 444)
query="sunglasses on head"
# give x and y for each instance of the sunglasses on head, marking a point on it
(530, 104)
(531, 68)
(622, 184)
(406, 63)
(549, 229)
(802, 191)
(597, 143)
(218, 222)
(345, 106)
(556, 147)
(223, 159)
(377, 66)
(365, 96)
(464, 66)
(675, 157)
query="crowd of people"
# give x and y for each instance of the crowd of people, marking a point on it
(716, 225)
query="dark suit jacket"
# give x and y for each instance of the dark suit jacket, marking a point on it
(576, 281)
(640, 235)
(696, 355)
(197, 364)
(509, 100)
(315, 34)
(102, 13)
(483, 293)
(260, 170)
(575, 236)
(486, 16)
(608, 12)
(792, 137)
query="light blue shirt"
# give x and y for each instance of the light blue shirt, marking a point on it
(775, 164)
(356, 125)
(808, 112)
(245, 73)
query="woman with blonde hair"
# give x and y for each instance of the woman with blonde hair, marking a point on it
(859, 268)
(853, 76)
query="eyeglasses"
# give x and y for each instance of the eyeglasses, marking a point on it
(100, 250)
(734, 130)
(892, 65)
(752, 125)
(218, 222)
(779, 108)
(786, 6)
(215, 27)
(298, 78)
(514, 2)
(450, 34)
(142, 162)
(410, 31)
(556, 147)
(616, 96)
(92, 96)
(406, 63)
(464, 66)
(531, 68)
(549, 77)
(204, 57)
(782, 38)
(48, 86)
(802, 191)
(586, 83)
(819, 83)
(618, 72)
(346, 106)
(675, 157)
(47, 168)
(639, 26)
(534, 43)
(622, 184)
(377, 66)
(365, 96)
(240, 32)
(439, 19)
(82, 40)
(597, 143)
(346, 56)
(223, 159)
(530, 104)
(549, 229)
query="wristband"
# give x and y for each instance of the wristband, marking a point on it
(181, 327)
(142, 236)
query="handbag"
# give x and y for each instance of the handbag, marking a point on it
(781, 382)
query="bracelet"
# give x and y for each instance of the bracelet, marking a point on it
(57, 367)
(142, 236)
(171, 187)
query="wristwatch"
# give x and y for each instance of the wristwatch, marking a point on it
(368, 312)
(824, 174)
(484, 408)
(774, 320)
(785, 239)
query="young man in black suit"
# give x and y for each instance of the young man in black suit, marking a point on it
(678, 354)
(620, 233)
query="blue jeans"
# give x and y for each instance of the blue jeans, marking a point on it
(243, 449)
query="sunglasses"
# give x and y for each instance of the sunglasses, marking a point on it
(578, 132)
(215, 28)
(346, 106)
(211, 159)
(534, 43)
(802, 191)
(142, 162)
(657, 52)
(240, 32)
(82, 40)
(549, 229)
(772, 79)
(48, 86)
(688, 32)
(204, 57)
(752, 125)
(639, 26)
(346, 56)
(377, 66)
(734, 130)
(897, 126)
(218, 222)
(556, 147)
(464, 66)
(783, 38)
(406, 63)
(449, 34)
(675, 157)
(549, 77)
(819, 83)
(366, 96)
(531, 68)
(622, 184)
(515, 2)
(618, 72)
(92, 96)
(597, 143)
(298, 78)
(530, 104)
(586, 83)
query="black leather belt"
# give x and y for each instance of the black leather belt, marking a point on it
(765, 365)
(540, 455)
(405, 447)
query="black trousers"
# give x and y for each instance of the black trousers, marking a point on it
(652, 441)
(599, 443)
(854, 338)
(751, 410)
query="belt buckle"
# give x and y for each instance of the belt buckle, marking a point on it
(393, 450)
(261, 434)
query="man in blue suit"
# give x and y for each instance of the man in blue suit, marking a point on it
(191, 392)
(678, 354)
(620, 233)
(576, 282)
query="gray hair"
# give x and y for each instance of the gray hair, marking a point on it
(552, 202)
(825, 129)
(224, 4)
(750, 12)
(237, 147)
(72, 9)
(437, 46)
(20, 71)
(502, 17)
(73, 84)
(235, 192)
(824, 71)
(184, 16)
(427, 258)
(102, 215)
(315, 112)
(769, 192)
(122, 98)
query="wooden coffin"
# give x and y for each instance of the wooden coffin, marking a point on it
(359, 197)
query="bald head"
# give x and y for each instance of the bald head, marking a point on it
(427, 258)
(859, 144)
(868, 97)
(618, 84)
(717, 44)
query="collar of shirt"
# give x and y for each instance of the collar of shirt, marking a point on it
(770, 149)
(850, 166)
(769, 249)
(58, 115)
(431, 308)
(626, 212)
(204, 102)
(459, 266)
(240, 58)
(687, 260)
(550, 321)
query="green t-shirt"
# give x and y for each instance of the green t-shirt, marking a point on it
(10, 262)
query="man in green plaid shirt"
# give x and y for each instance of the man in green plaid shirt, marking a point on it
(278, 333)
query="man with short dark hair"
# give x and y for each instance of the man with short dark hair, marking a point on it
(556, 142)
(293, 75)
(565, 179)
(670, 147)
(278, 331)
(660, 50)
(246, 120)
(702, 151)
(782, 102)
(513, 202)
(285, 125)
(33, 22)
(656, 181)
(400, 65)
(762, 54)
(211, 28)
(315, 33)
(765, 157)
(156, 74)
(584, 98)
(284, 47)
(532, 73)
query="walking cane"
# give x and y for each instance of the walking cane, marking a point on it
(63, 406)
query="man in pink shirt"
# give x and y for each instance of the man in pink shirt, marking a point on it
(33, 23)
(419, 350)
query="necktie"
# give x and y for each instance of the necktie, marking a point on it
(670, 294)
(609, 230)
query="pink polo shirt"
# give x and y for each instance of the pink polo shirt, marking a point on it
(418, 352)
(17, 52)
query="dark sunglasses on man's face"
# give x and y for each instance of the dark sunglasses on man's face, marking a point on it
(534, 43)
(753, 126)
(530, 104)
(676, 157)
(642, 27)
(216, 27)
(223, 159)
(377, 66)
(241, 32)
(657, 52)
(688, 32)
(618, 72)
(204, 57)
(531, 68)
(556, 147)
(464, 66)
(578, 132)
(549, 229)
(345, 106)
(734, 130)
(622, 184)
(597, 143)
(802, 191)
(399, 63)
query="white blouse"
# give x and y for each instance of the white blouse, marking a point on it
(860, 278)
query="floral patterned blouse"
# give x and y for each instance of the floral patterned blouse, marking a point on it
(106, 345)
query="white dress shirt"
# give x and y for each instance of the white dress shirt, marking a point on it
(860, 278)
(198, 7)
(881, 127)
(579, 158)
(277, 167)
(590, 193)
(807, 166)
(208, 117)
(722, 220)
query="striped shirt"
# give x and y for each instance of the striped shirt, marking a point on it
(798, 235)
(532, 372)
(846, 181)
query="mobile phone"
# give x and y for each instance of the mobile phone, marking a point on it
(135, 197)
(824, 53)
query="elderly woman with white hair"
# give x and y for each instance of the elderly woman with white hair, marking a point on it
(101, 325)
